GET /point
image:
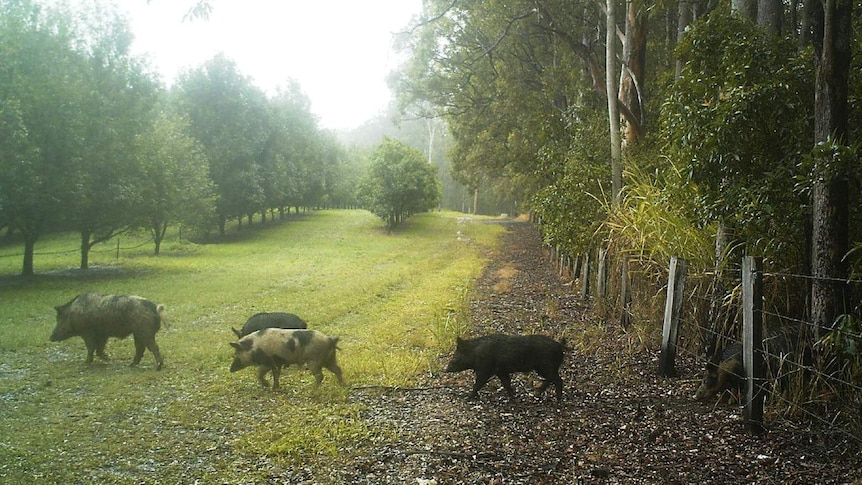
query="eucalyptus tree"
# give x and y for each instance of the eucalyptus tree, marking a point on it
(485, 67)
(228, 115)
(835, 159)
(513, 81)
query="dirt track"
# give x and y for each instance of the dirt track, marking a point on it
(618, 422)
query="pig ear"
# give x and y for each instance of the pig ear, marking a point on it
(713, 362)
(236, 345)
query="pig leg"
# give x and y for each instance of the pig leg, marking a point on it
(154, 348)
(91, 342)
(140, 345)
(333, 367)
(261, 375)
(554, 379)
(101, 342)
(482, 378)
(506, 379)
(276, 372)
(316, 371)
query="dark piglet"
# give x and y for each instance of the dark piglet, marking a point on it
(96, 317)
(272, 348)
(263, 320)
(501, 355)
(725, 370)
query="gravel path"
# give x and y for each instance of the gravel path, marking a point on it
(618, 422)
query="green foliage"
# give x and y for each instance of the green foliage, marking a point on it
(41, 87)
(399, 183)
(740, 119)
(174, 183)
(572, 204)
(88, 144)
(228, 116)
(502, 81)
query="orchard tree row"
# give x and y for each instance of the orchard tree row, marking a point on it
(685, 128)
(91, 142)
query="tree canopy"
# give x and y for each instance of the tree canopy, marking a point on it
(720, 110)
(399, 183)
(93, 143)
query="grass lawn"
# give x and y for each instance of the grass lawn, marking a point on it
(396, 300)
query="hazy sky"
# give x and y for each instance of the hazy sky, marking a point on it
(340, 51)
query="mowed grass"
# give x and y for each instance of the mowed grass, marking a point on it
(396, 300)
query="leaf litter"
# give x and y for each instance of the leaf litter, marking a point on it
(619, 422)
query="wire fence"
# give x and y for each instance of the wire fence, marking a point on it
(95, 249)
(811, 374)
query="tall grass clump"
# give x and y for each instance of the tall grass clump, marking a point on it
(655, 221)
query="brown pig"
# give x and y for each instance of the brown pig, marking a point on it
(96, 317)
(271, 348)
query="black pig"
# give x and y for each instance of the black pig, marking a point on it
(95, 317)
(501, 355)
(263, 320)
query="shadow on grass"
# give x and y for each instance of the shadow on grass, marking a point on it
(91, 274)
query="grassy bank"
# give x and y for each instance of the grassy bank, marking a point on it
(394, 299)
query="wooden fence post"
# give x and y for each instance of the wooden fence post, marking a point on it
(752, 342)
(626, 294)
(602, 274)
(576, 268)
(673, 305)
(585, 276)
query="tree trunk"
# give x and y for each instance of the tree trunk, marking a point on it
(613, 108)
(805, 25)
(831, 20)
(633, 75)
(159, 230)
(476, 200)
(683, 21)
(769, 13)
(29, 249)
(744, 9)
(85, 248)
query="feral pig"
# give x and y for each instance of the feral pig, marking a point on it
(271, 348)
(725, 370)
(95, 317)
(263, 320)
(501, 355)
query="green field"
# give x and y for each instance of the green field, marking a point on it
(396, 300)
